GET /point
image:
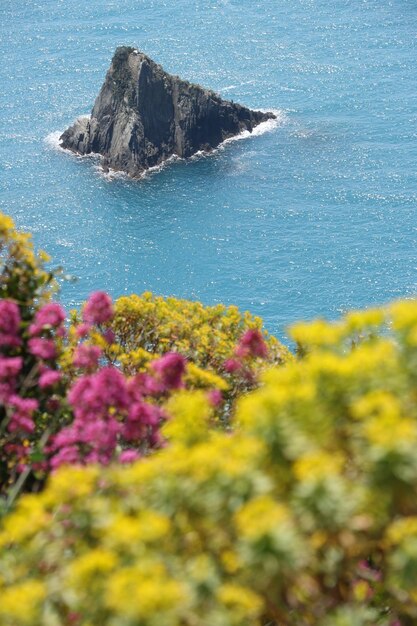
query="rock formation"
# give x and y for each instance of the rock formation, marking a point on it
(142, 116)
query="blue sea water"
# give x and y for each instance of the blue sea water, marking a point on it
(311, 218)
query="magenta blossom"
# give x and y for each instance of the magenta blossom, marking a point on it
(9, 323)
(42, 348)
(67, 455)
(215, 397)
(109, 336)
(49, 378)
(141, 420)
(89, 439)
(87, 356)
(10, 367)
(51, 315)
(252, 344)
(97, 394)
(232, 365)
(169, 370)
(98, 308)
(22, 413)
(129, 456)
(9, 370)
(82, 330)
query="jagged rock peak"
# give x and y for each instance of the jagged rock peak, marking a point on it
(143, 115)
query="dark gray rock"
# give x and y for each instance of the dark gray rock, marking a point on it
(142, 116)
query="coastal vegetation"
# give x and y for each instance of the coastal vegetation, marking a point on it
(166, 463)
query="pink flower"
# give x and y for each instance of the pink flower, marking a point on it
(141, 416)
(42, 348)
(87, 356)
(49, 378)
(215, 397)
(145, 385)
(65, 456)
(10, 367)
(22, 412)
(9, 323)
(232, 365)
(129, 456)
(82, 330)
(97, 393)
(20, 421)
(98, 308)
(169, 370)
(51, 315)
(252, 344)
(109, 336)
(7, 389)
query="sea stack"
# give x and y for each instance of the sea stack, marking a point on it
(143, 116)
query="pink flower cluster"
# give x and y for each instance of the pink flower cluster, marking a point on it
(251, 345)
(22, 415)
(24, 374)
(169, 371)
(45, 329)
(10, 368)
(114, 417)
(103, 416)
(49, 317)
(112, 414)
(9, 323)
(87, 356)
(98, 309)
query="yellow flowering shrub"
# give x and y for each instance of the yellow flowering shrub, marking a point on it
(305, 515)
(23, 276)
(206, 335)
(146, 327)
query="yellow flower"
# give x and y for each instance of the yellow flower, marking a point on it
(190, 414)
(402, 529)
(244, 603)
(317, 333)
(203, 379)
(6, 225)
(390, 432)
(85, 569)
(44, 256)
(125, 531)
(404, 314)
(260, 517)
(318, 465)
(231, 561)
(73, 482)
(358, 320)
(21, 603)
(29, 519)
(377, 403)
(146, 594)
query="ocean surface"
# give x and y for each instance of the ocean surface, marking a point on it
(313, 216)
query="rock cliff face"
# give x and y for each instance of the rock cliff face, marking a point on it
(142, 116)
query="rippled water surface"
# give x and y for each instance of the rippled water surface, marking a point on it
(311, 218)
